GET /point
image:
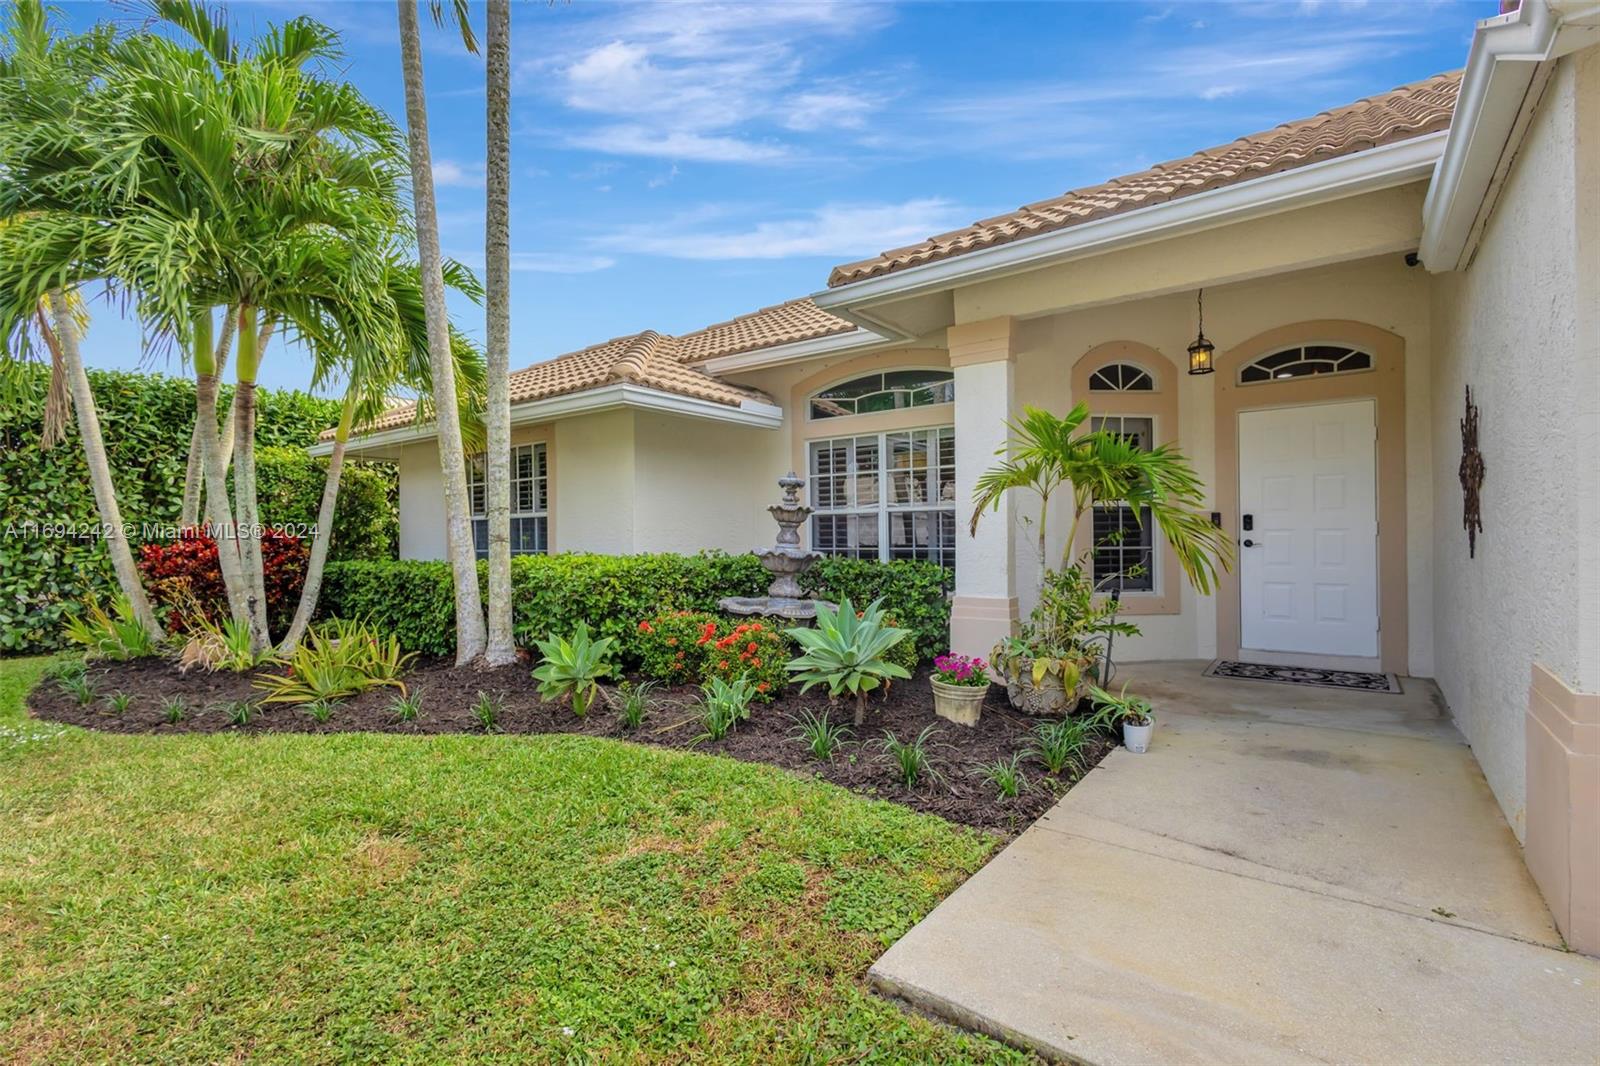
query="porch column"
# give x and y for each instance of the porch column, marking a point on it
(982, 355)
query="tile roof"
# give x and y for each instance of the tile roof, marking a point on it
(785, 323)
(1410, 111)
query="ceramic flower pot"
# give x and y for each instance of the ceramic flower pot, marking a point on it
(961, 704)
(1047, 697)
(1136, 738)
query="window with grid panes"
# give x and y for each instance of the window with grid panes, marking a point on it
(1124, 545)
(530, 501)
(884, 496)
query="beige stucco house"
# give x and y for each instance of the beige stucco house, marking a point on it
(1359, 271)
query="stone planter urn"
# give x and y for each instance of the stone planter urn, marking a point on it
(1051, 695)
(961, 704)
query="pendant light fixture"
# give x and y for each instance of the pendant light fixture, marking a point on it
(1200, 351)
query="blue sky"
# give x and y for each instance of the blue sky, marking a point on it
(676, 164)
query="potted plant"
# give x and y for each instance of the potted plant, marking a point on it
(1046, 664)
(1134, 713)
(959, 685)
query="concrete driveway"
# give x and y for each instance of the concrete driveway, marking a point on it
(1289, 875)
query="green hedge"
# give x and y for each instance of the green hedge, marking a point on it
(146, 420)
(414, 600)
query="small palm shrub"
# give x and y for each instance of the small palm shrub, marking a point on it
(218, 646)
(118, 702)
(1005, 775)
(572, 669)
(174, 710)
(911, 759)
(727, 703)
(487, 712)
(117, 635)
(820, 736)
(1111, 711)
(635, 702)
(406, 707)
(1059, 745)
(336, 660)
(846, 652)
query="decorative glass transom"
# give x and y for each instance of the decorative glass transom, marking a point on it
(890, 391)
(1305, 361)
(1121, 377)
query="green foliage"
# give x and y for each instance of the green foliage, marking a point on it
(337, 659)
(407, 707)
(118, 702)
(49, 561)
(239, 712)
(727, 703)
(553, 593)
(79, 688)
(846, 651)
(289, 484)
(487, 711)
(912, 759)
(320, 711)
(572, 668)
(1059, 744)
(688, 647)
(635, 702)
(1006, 776)
(117, 635)
(174, 710)
(218, 646)
(1111, 711)
(820, 737)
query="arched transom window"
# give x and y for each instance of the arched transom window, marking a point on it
(1305, 361)
(891, 390)
(1121, 377)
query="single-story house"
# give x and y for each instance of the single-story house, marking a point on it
(1359, 272)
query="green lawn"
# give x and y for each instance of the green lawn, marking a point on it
(389, 898)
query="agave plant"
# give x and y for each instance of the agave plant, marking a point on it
(846, 651)
(572, 668)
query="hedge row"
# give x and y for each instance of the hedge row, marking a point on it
(613, 593)
(146, 420)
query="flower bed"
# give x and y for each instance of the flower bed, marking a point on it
(448, 696)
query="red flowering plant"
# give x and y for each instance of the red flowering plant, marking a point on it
(184, 576)
(692, 647)
(953, 669)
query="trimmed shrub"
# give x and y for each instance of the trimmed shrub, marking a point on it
(613, 593)
(184, 575)
(671, 647)
(147, 420)
(692, 647)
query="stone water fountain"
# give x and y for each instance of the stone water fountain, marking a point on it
(785, 561)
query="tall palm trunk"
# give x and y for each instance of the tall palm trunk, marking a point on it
(312, 589)
(471, 637)
(497, 277)
(94, 451)
(194, 476)
(244, 478)
(214, 466)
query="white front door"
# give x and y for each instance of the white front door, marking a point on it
(1308, 529)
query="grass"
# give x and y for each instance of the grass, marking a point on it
(411, 899)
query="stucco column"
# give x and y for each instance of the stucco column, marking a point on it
(982, 354)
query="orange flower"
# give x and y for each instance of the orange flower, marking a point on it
(672, 642)
(723, 665)
(755, 662)
(750, 647)
(644, 627)
(763, 687)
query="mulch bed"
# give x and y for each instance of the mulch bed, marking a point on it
(448, 694)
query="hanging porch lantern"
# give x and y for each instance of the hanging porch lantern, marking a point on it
(1200, 351)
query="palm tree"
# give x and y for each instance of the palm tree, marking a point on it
(471, 636)
(1047, 454)
(51, 75)
(502, 648)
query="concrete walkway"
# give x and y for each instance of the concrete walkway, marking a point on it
(1289, 875)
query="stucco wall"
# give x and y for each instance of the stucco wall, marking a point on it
(422, 528)
(1381, 291)
(594, 492)
(1518, 326)
(701, 484)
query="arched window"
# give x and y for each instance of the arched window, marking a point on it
(891, 390)
(1304, 362)
(1121, 377)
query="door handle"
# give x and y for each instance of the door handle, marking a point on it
(1249, 544)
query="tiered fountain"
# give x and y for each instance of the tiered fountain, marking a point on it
(785, 561)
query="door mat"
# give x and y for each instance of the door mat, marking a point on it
(1304, 675)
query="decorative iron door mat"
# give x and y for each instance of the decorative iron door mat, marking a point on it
(1304, 675)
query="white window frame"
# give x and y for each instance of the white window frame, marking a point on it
(538, 487)
(1098, 422)
(932, 408)
(882, 507)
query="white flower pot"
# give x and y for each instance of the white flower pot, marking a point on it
(1136, 738)
(961, 704)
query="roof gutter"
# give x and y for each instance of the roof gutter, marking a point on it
(1505, 72)
(1376, 168)
(590, 401)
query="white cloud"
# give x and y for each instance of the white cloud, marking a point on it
(833, 230)
(450, 173)
(543, 262)
(678, 144)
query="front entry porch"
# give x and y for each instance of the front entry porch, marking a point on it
(1291, 874)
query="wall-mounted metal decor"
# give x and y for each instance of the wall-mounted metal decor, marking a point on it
(1471, 476)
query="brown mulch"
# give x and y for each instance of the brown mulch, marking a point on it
(448, 694)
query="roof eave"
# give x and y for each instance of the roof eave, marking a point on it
(1359, 172)
(750, 412)
(1502, 67)
(853, 340)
